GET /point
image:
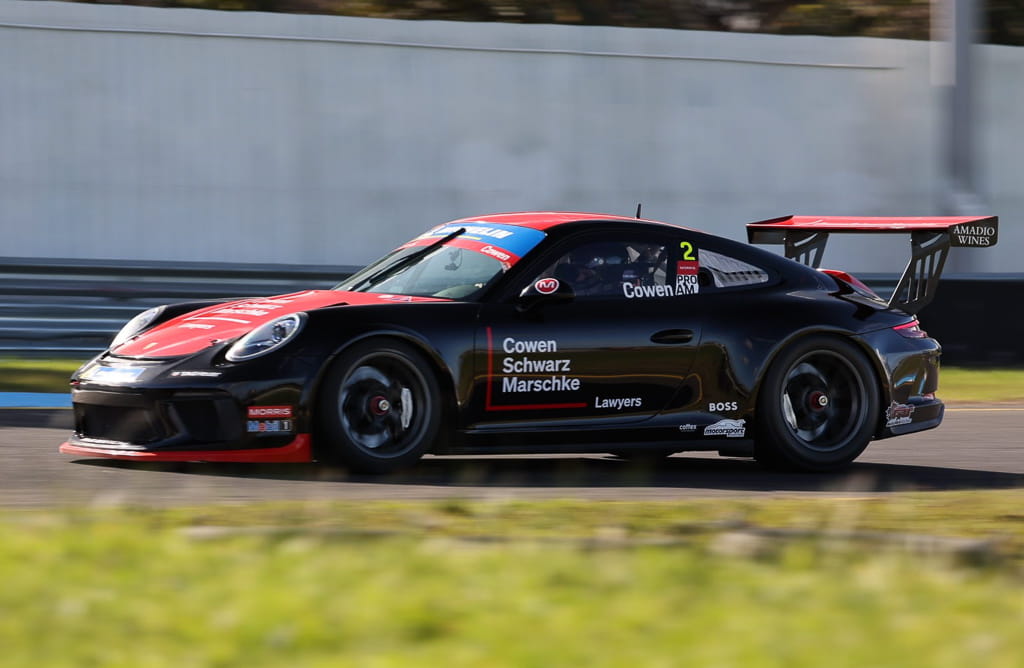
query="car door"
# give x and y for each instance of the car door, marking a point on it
(616, 352)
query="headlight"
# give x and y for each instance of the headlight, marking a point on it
(265, 338)
(136, 325)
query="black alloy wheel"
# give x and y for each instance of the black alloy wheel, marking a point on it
(818, 406)
(379, 408)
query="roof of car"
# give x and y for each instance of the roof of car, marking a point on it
(543, 220)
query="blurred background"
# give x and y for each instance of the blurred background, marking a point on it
(159, 151)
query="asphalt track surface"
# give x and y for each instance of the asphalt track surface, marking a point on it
(976, 448)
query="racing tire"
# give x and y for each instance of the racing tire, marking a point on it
(818, 406)
(379, 408)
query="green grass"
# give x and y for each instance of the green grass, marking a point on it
(981, 385)
(36, 375)
(957, 385)
(507, 583)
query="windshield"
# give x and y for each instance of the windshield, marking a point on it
(450, 261)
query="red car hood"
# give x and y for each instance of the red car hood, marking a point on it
(192, 332)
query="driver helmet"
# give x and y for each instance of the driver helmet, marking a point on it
(603, 255)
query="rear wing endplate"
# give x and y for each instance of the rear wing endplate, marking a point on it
(930, 240)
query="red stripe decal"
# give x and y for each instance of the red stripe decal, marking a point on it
(299, 451)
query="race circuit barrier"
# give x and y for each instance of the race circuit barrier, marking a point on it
(70, 308)
(977, 320)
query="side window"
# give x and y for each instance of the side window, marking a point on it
(723, 271)
(699, 270)
(613, 269)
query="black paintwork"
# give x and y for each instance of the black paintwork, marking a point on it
(652, 371)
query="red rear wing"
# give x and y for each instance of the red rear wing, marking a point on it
(930, 240)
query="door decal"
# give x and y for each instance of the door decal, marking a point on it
(518, 361)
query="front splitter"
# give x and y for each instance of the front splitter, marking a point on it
(299, 451)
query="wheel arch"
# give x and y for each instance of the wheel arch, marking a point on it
(876, 363)
(442, 372)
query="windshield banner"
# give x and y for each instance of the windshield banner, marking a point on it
(505, 243)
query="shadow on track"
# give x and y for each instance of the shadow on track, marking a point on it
(608, 472)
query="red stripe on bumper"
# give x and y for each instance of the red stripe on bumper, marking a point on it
(296, 452)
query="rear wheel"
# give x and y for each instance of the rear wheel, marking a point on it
(818, 406)
(379, 408)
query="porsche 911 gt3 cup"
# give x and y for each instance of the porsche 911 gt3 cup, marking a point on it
(541, 332)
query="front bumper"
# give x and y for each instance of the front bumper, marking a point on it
(180, 416)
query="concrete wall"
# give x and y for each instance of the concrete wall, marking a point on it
(173, 134)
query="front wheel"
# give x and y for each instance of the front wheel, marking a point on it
(379, 408)
(818, 406)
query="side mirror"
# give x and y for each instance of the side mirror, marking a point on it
(544, 291)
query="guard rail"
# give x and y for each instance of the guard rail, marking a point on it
(74, 307)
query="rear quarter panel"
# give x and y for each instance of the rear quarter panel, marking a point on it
(745, 331)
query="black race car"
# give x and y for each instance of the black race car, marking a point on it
(540, 332)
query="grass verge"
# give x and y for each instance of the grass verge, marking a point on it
(508, 583)
(36, 375)
(981, 385)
